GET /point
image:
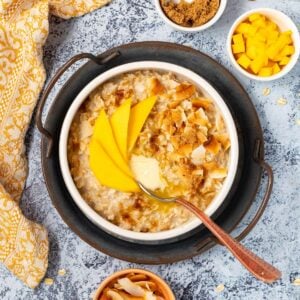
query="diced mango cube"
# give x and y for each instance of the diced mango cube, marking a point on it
(284, 61)
(244, 61)
(259, 23)
(271, 26)
(256, 65)
(252, 30)
(272, 36)
(243, 28)
(287, 50)
(251, 52)
(239, 48)
(264, 72)
(278, 57)
(276, 69)
(254, 17)
(238, 39)
(272, 51)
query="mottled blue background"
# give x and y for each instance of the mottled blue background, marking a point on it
(276, 237)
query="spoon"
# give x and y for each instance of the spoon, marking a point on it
(257, 266)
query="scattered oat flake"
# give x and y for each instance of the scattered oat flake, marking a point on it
(296, 281)
(62, 272)
(48, 281)
(281, 101)
(220, 288)
(298, 122)
(266, 91)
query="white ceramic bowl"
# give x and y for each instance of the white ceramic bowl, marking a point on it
(284, 23)
(109, 227)
(191, 29)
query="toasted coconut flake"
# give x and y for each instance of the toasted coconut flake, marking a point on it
(184, 91)
(174, 104)
(137, 277)
(210, 165)
(212, 145)
(198, 155)
(185, 149)
(201, 102)
(149, 285)
(156, 88)
(131, 287)
(113, 295)
(218, 173)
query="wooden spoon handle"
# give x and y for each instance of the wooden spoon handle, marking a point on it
(257, 266)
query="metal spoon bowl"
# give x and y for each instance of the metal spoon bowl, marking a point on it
(257, 266)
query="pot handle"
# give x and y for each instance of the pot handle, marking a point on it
(268, 170)
(47, 90)
(258, 158)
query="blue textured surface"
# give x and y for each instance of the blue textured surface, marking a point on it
(277, 236)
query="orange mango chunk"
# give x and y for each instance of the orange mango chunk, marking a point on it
(254, 17)
(244, 61)
(243, 28)
(284, 61)
(238, 48)
(276, 69)
(265, 72)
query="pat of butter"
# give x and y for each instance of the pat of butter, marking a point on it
(146, 170)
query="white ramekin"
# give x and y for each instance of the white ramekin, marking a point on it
(211, 22)
(284, 23)
(109, 227)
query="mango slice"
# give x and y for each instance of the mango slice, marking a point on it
(259, 47)
(107, 172)
(138, 115)
(104, 135)
(119, 122)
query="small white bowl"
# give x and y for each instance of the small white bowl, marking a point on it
(208, 91)
(211, 22)
(284, 23)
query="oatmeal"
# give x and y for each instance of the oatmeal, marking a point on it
(185, 134)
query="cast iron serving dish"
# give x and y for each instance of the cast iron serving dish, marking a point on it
(249, 166)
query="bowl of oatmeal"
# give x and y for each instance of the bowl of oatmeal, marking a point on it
(188, 146)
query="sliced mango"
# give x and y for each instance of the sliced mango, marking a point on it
(138, 115)
(107, 172)
(104, 135)
(119, 122)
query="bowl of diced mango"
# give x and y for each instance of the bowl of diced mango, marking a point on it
(263, 44)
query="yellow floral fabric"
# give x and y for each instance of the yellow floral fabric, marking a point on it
(23, 32)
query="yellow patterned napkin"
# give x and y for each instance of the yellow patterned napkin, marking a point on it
(23, 31)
